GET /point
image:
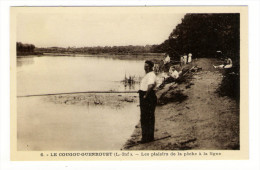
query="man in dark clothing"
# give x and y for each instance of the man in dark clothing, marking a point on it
(148, 101)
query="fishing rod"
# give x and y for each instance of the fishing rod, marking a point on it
(52, 94)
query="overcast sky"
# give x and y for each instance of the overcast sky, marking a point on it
(100, 27)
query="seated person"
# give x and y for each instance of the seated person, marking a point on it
(172, 75)
(156, 69)
(167, 59)
(227, 64)
(173, 72)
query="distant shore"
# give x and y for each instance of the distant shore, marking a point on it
(24, 54)
(126, 56)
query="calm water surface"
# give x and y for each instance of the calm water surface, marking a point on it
(45, 125)
(40, 75)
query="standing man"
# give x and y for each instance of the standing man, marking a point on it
(189, 57)
(148, 101)
(185, 58)
(181, 60)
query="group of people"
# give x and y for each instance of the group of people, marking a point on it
(184, 59)
(148, 99)
(147, 96)
(172, 73)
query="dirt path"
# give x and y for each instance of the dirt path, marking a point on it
(202, 120)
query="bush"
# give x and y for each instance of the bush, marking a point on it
(230, 85)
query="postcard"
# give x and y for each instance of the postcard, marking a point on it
(129, 83)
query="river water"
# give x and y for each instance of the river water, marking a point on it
(44, 125)
(38, 75)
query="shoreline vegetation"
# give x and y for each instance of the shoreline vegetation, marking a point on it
(120, 52)
(26, 54)
(126, 56)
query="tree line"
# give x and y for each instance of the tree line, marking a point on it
(203, 35)
(20, 47)
(130, 49)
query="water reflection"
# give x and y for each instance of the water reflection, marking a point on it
(24, 61)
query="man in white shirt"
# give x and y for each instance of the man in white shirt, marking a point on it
(148, 101)
(173, 72)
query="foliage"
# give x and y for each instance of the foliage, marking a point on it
(130, 49)
(230, 85)
(20, 47)
(203, 35)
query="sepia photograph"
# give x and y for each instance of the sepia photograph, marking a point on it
(128, 79)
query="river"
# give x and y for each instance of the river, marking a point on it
(45, 125)
(37, 75)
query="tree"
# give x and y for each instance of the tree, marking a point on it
(204, 34)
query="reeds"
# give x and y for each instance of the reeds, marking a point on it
(131, 80)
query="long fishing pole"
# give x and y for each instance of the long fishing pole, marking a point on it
(51, 94)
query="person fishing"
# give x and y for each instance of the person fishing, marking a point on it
(148, 101)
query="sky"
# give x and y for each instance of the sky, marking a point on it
(90, 27)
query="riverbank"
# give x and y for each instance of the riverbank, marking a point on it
(198, 118)
(26, 54)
